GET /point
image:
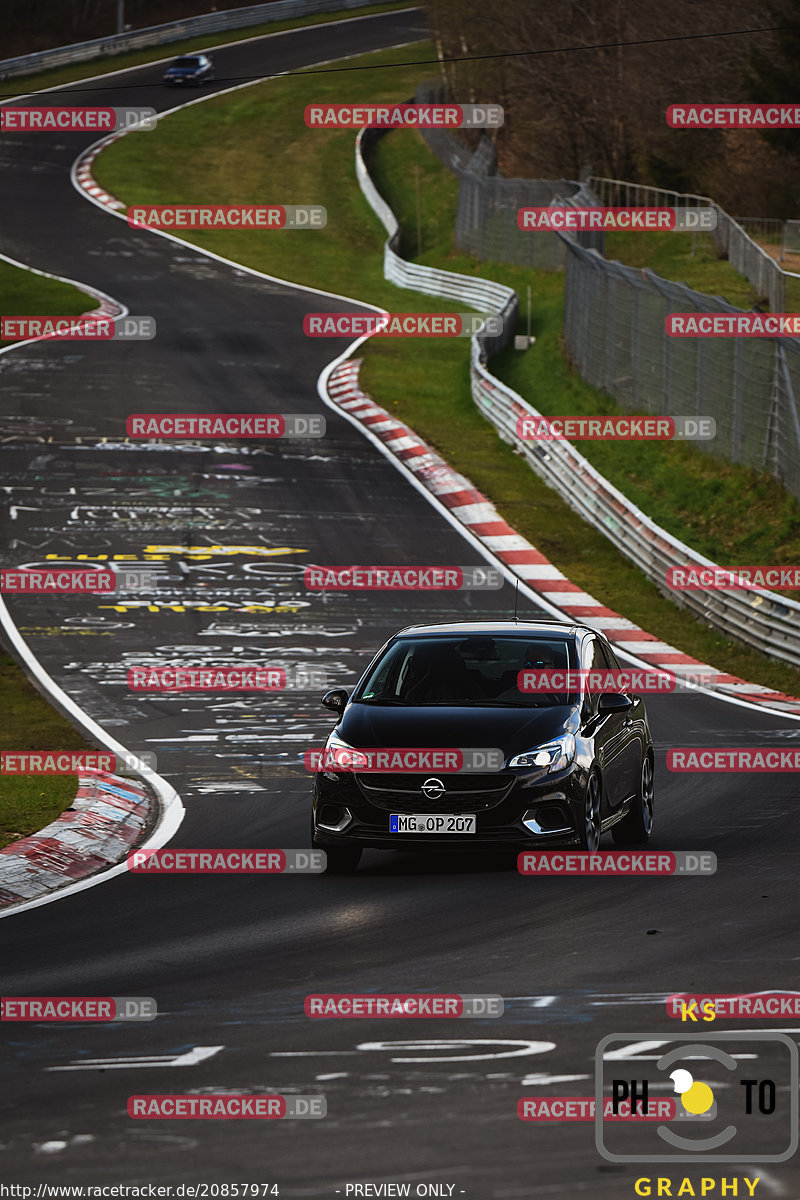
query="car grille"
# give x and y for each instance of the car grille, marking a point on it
(463, 793)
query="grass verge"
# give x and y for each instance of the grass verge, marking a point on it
(222, 152)
(694, 260)
(28, 802)
(27, 294)
(687, 258)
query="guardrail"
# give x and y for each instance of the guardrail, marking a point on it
(759, 618)
(173, 31)
(762, 619)
(485, 295)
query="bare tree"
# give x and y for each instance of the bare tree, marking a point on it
(588, 82)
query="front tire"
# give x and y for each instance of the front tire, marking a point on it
(635, 828)
(589, 831)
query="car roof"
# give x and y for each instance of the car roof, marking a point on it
(523, 628)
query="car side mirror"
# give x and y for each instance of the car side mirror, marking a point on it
(335, 700)
(614, 702)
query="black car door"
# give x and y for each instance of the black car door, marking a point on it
(611, 731)
(633, 746)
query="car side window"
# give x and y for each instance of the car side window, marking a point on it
(593, 657)
(608, 656)
(592, 660)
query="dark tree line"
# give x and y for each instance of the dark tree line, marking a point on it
(580, 97)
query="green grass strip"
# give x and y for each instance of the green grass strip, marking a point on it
(28, 802)
(25, 294)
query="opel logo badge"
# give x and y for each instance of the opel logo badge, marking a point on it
(432, 789)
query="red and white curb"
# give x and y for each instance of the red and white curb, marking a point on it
(87, 182)
(471, 508)
(105, 820)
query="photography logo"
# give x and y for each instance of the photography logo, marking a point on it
(736, 1092)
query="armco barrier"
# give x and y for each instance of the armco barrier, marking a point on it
(764, 620)
(759, 618)
(482, 294)
(158, 35)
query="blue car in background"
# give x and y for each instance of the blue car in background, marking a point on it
(188, 69)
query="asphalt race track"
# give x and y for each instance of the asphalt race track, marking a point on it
(230, 958)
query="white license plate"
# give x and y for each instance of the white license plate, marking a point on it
(432, 823)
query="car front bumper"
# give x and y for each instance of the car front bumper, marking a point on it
(518, 811)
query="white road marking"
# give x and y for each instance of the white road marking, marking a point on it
(771, 1184)
(526, 1047)
(189, 1059)
(538, 1001)
(542, 1080)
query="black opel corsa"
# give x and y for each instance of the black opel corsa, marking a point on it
(571, 765)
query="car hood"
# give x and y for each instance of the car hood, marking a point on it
(512, 730)
(182, 70)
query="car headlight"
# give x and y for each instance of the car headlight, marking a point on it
(554, 756)
(344, 754)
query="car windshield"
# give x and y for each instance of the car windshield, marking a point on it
(474, 671)
(186, 62)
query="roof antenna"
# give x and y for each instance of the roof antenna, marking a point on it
(516, 598)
